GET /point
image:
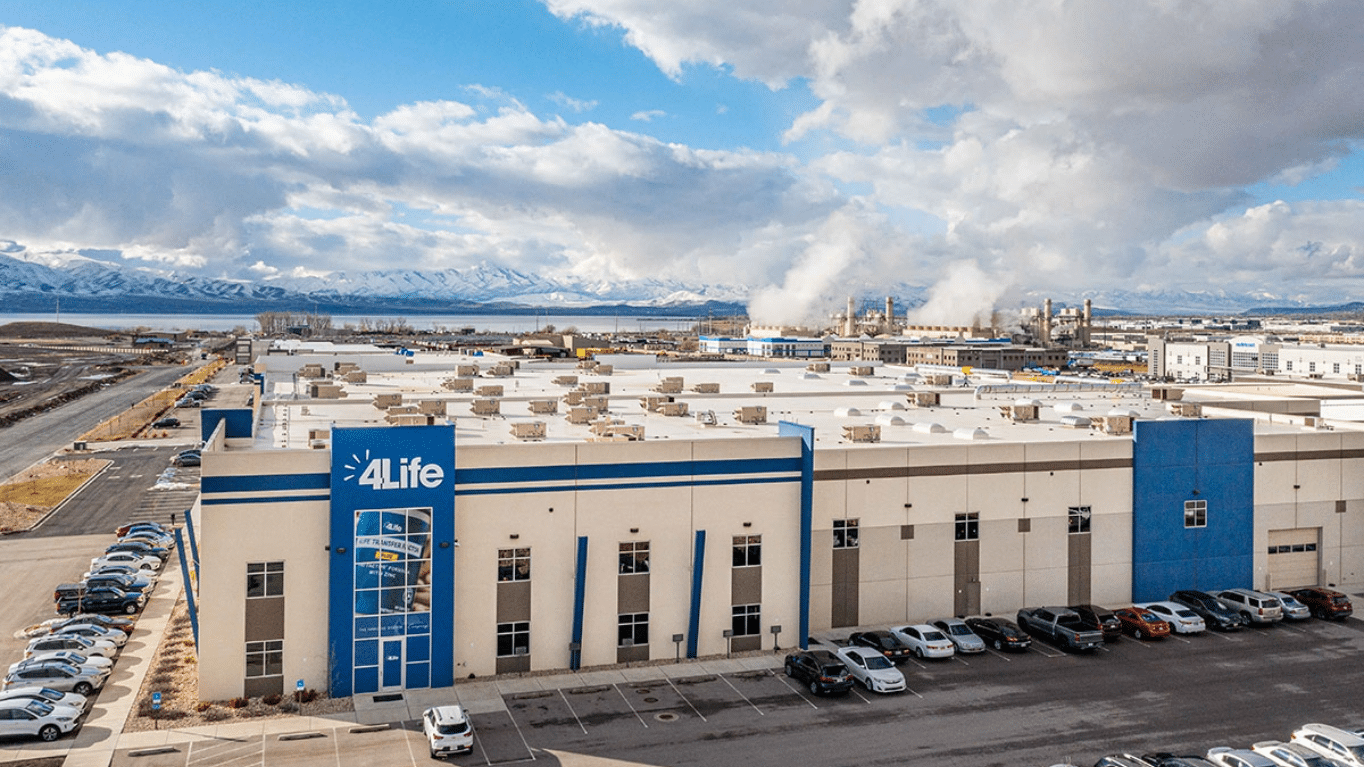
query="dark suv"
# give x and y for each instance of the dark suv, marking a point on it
(1325, 603)
(101, 599)
(1211, 609)
(821, 670)
(1099, 619)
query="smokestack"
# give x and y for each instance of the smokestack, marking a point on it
(890, 314)
(1045, 331)
(849, 321)
(1088, 323)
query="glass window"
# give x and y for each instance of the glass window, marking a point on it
(968, 527)
(513, 639)
(264, 579)
(513, 564)
(1079, 519)
(748, 550)
(265, 658)
(845, 533)
(1196, 513)
(747, 620)
(632, 629)
(634, 557)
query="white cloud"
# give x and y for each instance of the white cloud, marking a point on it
(568, 102)
(647, 116)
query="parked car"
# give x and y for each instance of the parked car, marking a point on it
(1213, 612)
(1175, 760)
(1257, 607)
(1101, 618)
(143, 561)
(169, 422)
(73, 642)
(1122, 760)
(46, 695)
(1061, 625)
(149, 534)
(1292, 754)
(187, 402)
(1225, 756)
(44, 721)
(187, 459)
(961, 635)
(102, 600)
(1182, 620)
(1293, 610)
(1000, 633)
(1332, 742)
(53, 625)
(883, 642)
(107, 569)
(872, 669)
(924, 641)
(448, 730)
(820, 670)
(142, 523)
(64, 656)
(81, 680)
(139, 547)
(1325, 603)
(130, 583)
(93, 631)
(1142, 624)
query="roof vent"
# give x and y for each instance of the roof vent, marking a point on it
(971, 434)
(930, 428)
(847, 412)
(1075, 421)
(886, 419)
(890, 405)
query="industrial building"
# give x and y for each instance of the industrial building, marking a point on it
(378, 521)
(1220, 358)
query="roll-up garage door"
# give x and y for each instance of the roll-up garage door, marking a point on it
(1294, 560)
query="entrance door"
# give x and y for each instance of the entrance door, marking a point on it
(392, 666)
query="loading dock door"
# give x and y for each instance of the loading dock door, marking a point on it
(1294, 558)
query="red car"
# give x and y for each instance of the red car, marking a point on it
(1325, 603)
(1142, 624)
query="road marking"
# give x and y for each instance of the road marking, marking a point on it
(1037, 648)
(627, 702)
(477, 739)
(854, 691)
(689, 703)
(1180, 639)
(999, 654)
(911, 689)
(522, 736)
(406, 740)
(571, 711)
(741, 695)
(917, 663)
(959, 660)
(782, 679)
(1140, 643)
(1223, 635)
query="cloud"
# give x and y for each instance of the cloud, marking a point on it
(648, 116)
(568, 102)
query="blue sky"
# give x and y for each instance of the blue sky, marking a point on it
(784, 152)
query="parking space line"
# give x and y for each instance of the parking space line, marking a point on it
(1140, 643)
(741, 695)
(522, 736)
(571, 711)
(1180, 639)
(1295, 628)
(999, 654)
(1037, 648)
(683, 697)
(960, 660)
(798, 693)
(411, 757)
(214, 755)
(921, 666)
(854, 691)
(336, 745)
(911, 689)
(631, 705)
(477, 739)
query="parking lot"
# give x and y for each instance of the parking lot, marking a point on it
(1039, 707)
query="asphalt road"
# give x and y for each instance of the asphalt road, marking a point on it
(33, 439)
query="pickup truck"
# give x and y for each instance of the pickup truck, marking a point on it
(1061, 625)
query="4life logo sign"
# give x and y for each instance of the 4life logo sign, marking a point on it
(388, 474)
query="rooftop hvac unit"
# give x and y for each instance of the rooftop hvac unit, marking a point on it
(762, 387)
(326, 391)
(674, 409)
(404, 410)
(602, 404)
(581, 415)
(595, 387)
(1167, 393)
(344, 367)
(706, 388)
(751, 414)
(318, 444)
(312, 371)
(622, 433)
(862, 370)
(458, 384)
(652, 404)
(466, 371)
(544, 406)
(566, 381)
(319, 434)
(355, 376)
(862, 433)
(587, 364)
(574, 397)
(818, 367)
(432, 406)
(603, 425)
(1186, 409)
(529, 431)
(1114, 423)
(707, 418)
(1020, 412)
(386, 401)
(603, 370)
(411, 419)
(925, 398)
(669, 385)
(486, 407)
(489, 391)
(502, 370)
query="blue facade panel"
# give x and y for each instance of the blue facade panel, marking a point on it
(1208, 465)
(240, 422)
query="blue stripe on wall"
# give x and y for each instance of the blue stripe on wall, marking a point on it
(807, 505)
(252, 483)
(698, 565)
(575, 657)
(568, 473)
(1176, 461)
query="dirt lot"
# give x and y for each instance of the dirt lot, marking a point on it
(33, 493)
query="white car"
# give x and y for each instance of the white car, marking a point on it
(1343, 746)
(1182, 620)
(1292, 754)
(46, 695)
(94, 631)
(448, 730)
(1238, 757)
(872, 669)
(925, 640)
(146, 562)
(32, 717)
(63, 656)
(73, 642)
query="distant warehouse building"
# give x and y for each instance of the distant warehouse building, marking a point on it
(553, 516)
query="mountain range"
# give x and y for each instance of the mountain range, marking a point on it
(33, 283)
